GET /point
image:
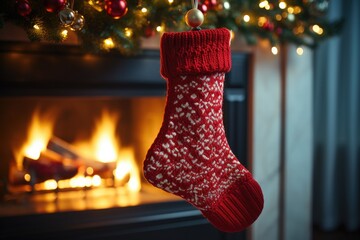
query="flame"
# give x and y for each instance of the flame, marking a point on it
(39, 133)
(127, 165)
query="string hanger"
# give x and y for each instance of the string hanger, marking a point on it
(194, 17)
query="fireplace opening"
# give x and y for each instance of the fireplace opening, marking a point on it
(62, 151)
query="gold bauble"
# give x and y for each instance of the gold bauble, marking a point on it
(194, 18)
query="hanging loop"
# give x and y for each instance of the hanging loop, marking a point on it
(194, 3)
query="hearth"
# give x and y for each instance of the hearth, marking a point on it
(75, 130)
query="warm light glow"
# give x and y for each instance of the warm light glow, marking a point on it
(108, 43)
(104, 140)
(290, 10)
(282, 5)
(246, 18)
(39, 133)
(170, 1)
(226, 5)
(262, 21)
(96, 180)
(89, 171)
(159, 28)
(274, 50)
(317, 29)
(278, 17)
(128, 32)
(50, 184)
(299, 51)
(37, 27)
(27, 177)
(268, 7)
(144, 10)
(297, 9)
(262, 4)
(232, 35)
(64, 33)
(127, 165)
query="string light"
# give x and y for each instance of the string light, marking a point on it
(261, 21)
(159, 28)
(128, 32)
(290, 10)
(144, 10)
(274, 50)
(282, 5)
(299, 51)
(278, 17)
(64, 33)
(37, 27)
(262, 4)
(170, 1)
(246, 18)
(108, 43)
(317, 29)
(226, 5)
(297, 10)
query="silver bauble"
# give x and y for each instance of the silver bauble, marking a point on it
(67, 16)
(78, 22)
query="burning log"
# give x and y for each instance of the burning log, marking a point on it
(50, 165)
(92, 167)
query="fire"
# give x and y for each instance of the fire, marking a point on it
(102, 161)
(39, 133)
(126, 166)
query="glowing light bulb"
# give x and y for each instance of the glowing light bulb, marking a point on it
(262, 4)
(317, 29)
(159, 28)
(128, 32)
(246, 18)
(290, 10)
(37, 27)
(299, 51)
(170, 1)
(64, 33)
(226, 5)
(144, 10)
(108, 43)
(282, 5)
(274, 50)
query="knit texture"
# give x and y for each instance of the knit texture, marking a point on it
(195, 52)
(191, 157)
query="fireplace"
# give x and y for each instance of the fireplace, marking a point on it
(75, 130)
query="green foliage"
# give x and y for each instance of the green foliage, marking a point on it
(292, 24)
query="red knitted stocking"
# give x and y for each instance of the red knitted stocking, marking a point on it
(190, 156)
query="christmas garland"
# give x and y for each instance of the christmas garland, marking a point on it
(119, 25)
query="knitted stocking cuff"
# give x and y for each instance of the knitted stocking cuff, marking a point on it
(195, 52)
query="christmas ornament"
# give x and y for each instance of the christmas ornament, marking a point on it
(269, 26)
(211, 4)
(54, 6)
(67, 16)
(78, 23)
(23, 7)
(191, 157)
(203, 8)
(194, 18)
(116, 8)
